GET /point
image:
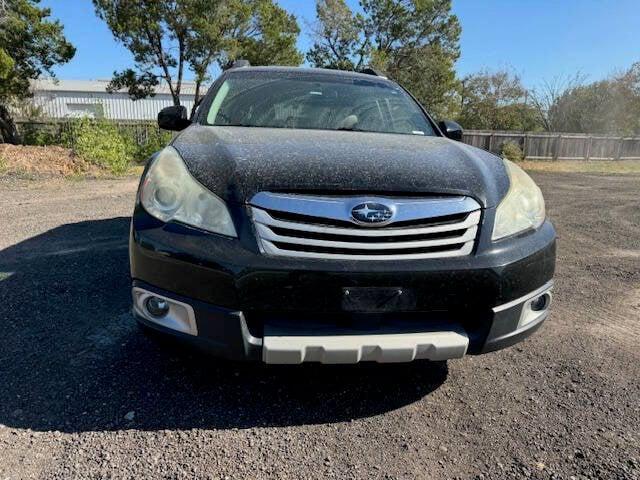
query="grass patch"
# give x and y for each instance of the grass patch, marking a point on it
(135, 170)
(582, 166)
(24, 173)
(131, 171)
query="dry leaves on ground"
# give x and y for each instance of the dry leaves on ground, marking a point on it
(43, 161)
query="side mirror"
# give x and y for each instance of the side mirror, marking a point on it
(173, 118)
(451, 129)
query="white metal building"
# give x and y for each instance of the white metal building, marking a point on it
(89, 98)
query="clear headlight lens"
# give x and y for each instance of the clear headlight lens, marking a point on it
(169, 192)
(523, 206)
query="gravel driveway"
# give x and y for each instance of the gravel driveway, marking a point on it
(83, 394)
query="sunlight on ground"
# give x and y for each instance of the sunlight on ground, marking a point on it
(582, 166)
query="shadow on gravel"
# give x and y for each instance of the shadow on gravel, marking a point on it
(72, 359)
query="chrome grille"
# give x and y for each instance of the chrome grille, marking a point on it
(313, 226)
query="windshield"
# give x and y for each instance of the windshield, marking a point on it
(319, 102)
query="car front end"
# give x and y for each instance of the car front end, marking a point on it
(290, 245)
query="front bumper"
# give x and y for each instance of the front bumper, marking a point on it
(226, 333)
(249, 306)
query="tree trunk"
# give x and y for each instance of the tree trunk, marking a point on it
(196, 101)
(8, 131)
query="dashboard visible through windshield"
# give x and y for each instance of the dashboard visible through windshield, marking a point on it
(316, 102)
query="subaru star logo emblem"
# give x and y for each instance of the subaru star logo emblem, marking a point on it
(371, 213)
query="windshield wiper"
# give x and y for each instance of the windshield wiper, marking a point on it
(353, 129)
(240, 124)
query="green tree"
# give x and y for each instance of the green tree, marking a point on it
(340, 41)
(265, 35)
(545, 99)
(170, 36)
(496, 101)
(415, 41)
(30, 45)
(429, 74)
(609, 106)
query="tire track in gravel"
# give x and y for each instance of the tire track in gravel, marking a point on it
(619, 320)
(599, 244)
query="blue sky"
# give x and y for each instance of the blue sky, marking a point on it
(539, 39)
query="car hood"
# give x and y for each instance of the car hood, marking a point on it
(237, 162)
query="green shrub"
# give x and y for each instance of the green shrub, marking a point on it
(100, 142)
(106, 143)
(41, 134)
(36, 128)
(511, 151)
(156, 140)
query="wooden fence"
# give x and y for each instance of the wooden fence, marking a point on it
(535, 146)
(558, 146)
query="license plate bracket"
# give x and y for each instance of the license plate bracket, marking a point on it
(377, 299)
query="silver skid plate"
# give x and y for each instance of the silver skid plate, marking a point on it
(281, 346)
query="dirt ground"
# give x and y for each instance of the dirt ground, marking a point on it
(83, 394)
(33, 161)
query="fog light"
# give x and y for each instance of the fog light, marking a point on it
(157, 307)
(166, 312)
(540, 303)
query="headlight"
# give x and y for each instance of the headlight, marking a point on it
(169, 192)
(523, 206)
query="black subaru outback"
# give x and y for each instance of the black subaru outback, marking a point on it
(308, 215)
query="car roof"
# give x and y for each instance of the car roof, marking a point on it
(310, 71)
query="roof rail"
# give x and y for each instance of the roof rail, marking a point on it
(372, 71)
(240, 63)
